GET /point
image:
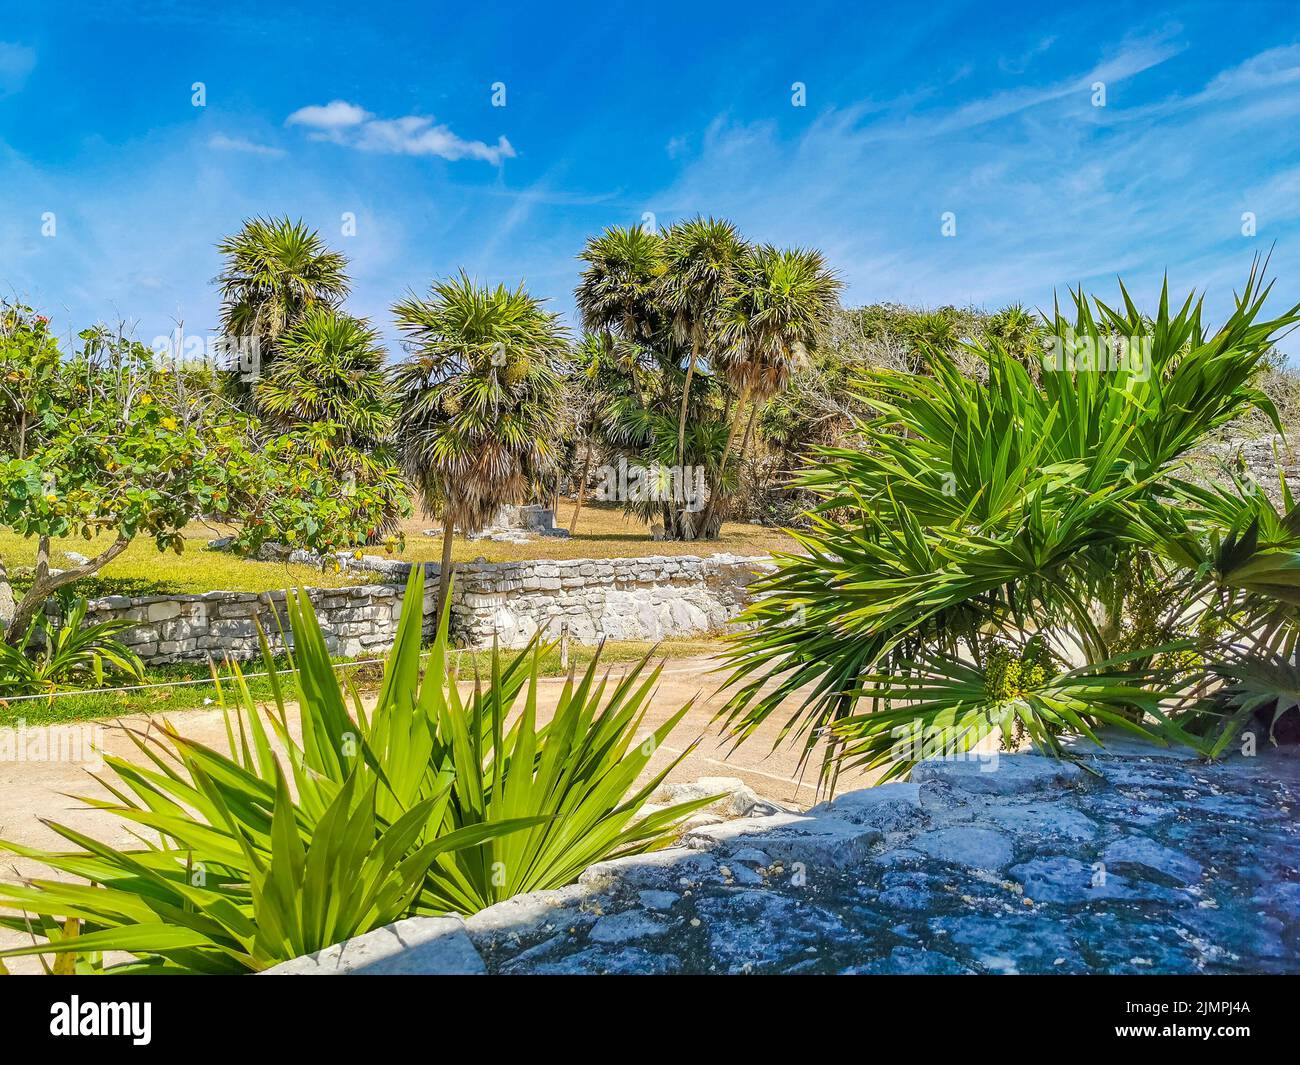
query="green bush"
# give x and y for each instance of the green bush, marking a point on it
(988, 511)
(430, 803)
(65, 653)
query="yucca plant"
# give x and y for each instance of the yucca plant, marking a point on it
(1004, 507)
(431, 802)
(65, 652)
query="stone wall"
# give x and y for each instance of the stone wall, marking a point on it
(614, 598)
(356, 621)
(619, 599)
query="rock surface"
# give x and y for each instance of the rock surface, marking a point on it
(1125, 863)
(1136, 863)
(417, 945)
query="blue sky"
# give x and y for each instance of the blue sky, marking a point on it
(385, 111)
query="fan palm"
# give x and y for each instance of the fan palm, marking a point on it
(700, 259)
(275, 270)
(479, 397)
(778, 309)
(330, 387)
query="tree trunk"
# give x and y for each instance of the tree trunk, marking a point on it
(582, 488)
(749, 428)
(47, 583)
(710, 521)
(686, 398)
(444, 574)
(7, 603)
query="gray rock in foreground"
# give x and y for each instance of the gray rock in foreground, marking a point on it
(1151, 863)
(415, 946)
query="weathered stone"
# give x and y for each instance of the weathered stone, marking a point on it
(627, 927)
(1005, 774)
(888, 807)
(811, 840)
(1145, 857)
(417, 946)
(973, 847)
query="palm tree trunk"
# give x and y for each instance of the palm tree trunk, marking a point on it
(706, 523)
(731, 435)
(444, 574)
(686, 398)
(582, 487)
(749, 428)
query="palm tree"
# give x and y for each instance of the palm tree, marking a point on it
(588, 404)
(479, 399)
(778, 310)
(1020, 332)
(619, 292)
(275, 270)
(329, 385)
(700, 259)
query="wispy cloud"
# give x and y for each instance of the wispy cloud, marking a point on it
(222, 143)
(17, 61)
(354, 127)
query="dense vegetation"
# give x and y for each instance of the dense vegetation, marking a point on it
(1018, 551)
(430, 803)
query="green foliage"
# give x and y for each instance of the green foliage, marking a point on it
(274, 271)
(53, 655)
(1007, 505)
(329, 390)
(479, 396)
(704, 327)
(431, 802)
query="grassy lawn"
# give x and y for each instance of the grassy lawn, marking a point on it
(78, 706)
(603, 532)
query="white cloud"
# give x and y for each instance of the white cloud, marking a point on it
(222, 143)
(16, 62)
(335, 115)
(354, 127)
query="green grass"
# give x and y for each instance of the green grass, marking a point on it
(84, 706)
(144, 570)
(603, 532)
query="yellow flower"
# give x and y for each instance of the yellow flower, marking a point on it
(169, 424)
(146, 399)
(50, 497)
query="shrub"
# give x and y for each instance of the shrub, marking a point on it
(430, 803)
(65, 653)
(1007, 506)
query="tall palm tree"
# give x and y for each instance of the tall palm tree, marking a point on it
(700, 259)
(619, 293)
(777, 311)
(329, 385)
(275, 270)
(479, 399)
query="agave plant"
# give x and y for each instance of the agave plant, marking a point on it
(1009, 508)
(432, 802)
(64, 653)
